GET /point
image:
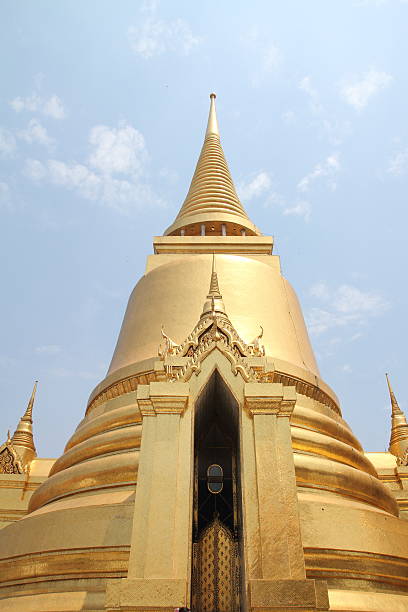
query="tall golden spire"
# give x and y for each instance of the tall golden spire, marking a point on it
(22, 439)
(399, 427)
(212, 206)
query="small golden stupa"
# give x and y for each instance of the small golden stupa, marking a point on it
(212, 468)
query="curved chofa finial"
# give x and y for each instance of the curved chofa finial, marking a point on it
(399, 429)
(23, 440)
(212, 206)
(167, 345)
(256, 347)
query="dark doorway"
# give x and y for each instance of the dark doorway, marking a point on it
(217, 529)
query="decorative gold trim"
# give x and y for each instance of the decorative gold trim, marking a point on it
(9, 459)
(130, 383)
(86, 563)
(330, 564)
(125, 385)
(214, 243)
(19, 484)
(12, 515)
(105, 472)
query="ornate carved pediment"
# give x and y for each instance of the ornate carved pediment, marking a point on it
(403, 461)
(9, 460)
(213, 330)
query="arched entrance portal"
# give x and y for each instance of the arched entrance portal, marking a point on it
(217, 568)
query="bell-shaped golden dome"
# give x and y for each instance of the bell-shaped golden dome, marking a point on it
(84, 523)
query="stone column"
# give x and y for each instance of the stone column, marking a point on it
(282, 583)
(158, 564)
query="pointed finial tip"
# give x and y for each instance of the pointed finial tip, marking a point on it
(213, 95)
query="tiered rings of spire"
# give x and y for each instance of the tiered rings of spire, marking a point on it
(212, 206)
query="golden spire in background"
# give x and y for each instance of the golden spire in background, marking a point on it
(22, 439)
(212, 206)
(399, 427)
(214, 287)
(214, 302)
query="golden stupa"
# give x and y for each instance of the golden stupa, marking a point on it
(212, 468)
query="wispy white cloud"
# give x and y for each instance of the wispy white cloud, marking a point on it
(48, 349)
(320, 291)
(31, 103)
(346, 305)
(54, 107)
(153, 36)
(358, 91)
(271, 59)
(34, 103)
(326, 169)
(305, 85)
(36, 133)
(398, 164)
(74, 176)
(267, 57)
(119, 150)
(34, 169)
(114, 174)
(7, 143)
(274, 198)
(300, 209)
(260, 186)
(351, 300)
(257, 185)
(334, 129)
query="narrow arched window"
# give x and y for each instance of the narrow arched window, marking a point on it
(215, 476)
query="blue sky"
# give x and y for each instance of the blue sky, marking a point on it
(103, 107)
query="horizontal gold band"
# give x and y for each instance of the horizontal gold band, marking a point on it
(351, 565)
(83, 563)
(128, 384)
(325, 474)
(98, 473)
